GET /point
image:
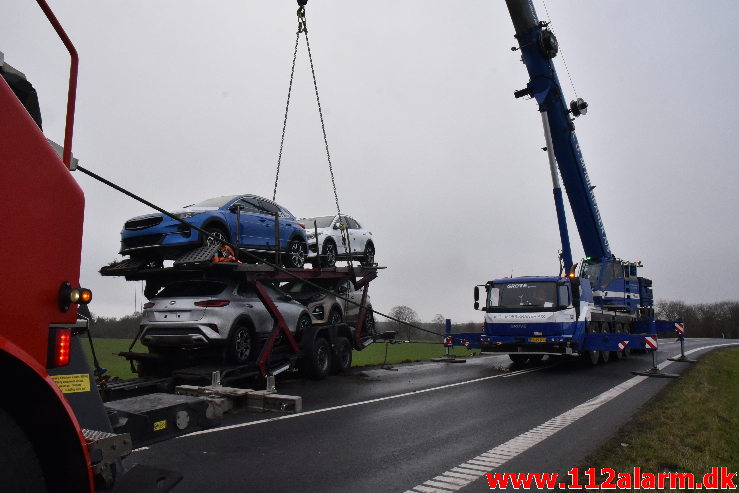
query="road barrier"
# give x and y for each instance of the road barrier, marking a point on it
(448, 342)
(680, 330)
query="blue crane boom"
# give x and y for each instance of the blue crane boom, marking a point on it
(538, 47)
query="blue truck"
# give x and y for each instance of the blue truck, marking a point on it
(603, 308)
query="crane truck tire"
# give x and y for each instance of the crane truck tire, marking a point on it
(20, 469)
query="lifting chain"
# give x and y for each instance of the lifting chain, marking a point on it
(303, 28)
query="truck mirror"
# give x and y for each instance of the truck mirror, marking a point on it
(477, 305)
(477, 296)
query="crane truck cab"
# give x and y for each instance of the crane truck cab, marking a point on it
(535, 315)
(616, 285)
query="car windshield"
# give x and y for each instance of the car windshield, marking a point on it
(321, 221)
(518, 294)
(188, 289)
(216, 201)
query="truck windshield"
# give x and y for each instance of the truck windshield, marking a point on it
(522, 295)
(591, 272)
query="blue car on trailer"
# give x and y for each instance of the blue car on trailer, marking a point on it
(159, 237)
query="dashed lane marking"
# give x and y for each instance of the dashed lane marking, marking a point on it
(474, 468)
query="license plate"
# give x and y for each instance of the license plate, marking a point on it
(537, 339)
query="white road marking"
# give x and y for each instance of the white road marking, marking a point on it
(518, 445)
(359, 403)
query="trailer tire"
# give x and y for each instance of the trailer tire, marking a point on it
(20, 468)
(319, 359)
(342, 360)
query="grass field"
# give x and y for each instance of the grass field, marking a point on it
(689, 427)
(106, 350)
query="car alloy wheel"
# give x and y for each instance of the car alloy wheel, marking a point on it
(295, 254)
(335, 316)
(218, 236)
(369, 255)
(328, 254)
(241, 345)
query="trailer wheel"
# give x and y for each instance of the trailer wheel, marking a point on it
(519, 359)
(241, 345)
(605, 328)
(319, 362)
(20, 468)
(342, 360)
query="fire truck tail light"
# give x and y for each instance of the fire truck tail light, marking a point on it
(69, 295)
(60, 341)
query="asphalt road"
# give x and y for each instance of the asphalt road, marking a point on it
(429, 427)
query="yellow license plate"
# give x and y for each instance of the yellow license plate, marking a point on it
(537, 339)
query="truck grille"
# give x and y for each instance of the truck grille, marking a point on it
(147, 222)
(142, 241)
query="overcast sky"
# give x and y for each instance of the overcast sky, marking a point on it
(180, 101)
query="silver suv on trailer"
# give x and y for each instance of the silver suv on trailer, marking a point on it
(227, 313)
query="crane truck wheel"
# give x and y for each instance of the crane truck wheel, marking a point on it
(20, 469)
(591, 358)
(605, 328)
(619, 354)
(519, 359)
(342, 360)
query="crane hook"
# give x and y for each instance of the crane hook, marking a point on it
(302, 24)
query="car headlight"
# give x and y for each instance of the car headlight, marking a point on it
(186, 215)
(318, 296)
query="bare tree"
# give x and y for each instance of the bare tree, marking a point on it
(404, 314)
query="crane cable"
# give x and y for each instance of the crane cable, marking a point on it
(303, 28)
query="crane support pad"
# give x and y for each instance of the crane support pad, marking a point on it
(155, 417)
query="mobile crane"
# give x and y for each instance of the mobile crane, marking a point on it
(604, 309)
